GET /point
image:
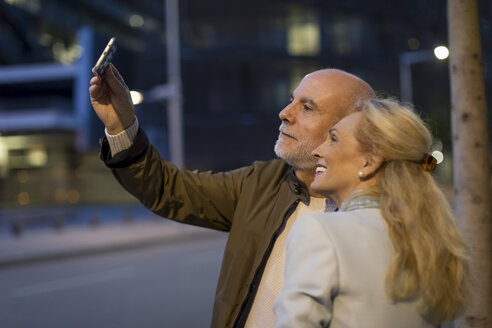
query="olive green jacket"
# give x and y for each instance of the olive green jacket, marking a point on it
(251, 203)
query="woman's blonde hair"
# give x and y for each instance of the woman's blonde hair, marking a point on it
(429, 253)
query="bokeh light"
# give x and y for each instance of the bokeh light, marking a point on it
(441, 52)
(439, 156)
(137, 97)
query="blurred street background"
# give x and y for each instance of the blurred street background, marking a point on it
(208, 79)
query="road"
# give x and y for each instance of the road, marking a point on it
(172, 285)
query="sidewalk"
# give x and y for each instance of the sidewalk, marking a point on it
(49, 244)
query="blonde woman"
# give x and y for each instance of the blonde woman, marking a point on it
(392, 255)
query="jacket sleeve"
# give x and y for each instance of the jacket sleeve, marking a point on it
(311, 277)
(199, 198)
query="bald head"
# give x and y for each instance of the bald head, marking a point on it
(344, 89)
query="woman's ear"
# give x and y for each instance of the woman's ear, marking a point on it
(372, 164)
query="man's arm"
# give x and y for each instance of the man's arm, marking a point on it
(198, 198)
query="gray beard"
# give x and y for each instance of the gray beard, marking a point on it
(300, 158)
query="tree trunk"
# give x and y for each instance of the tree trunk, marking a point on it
(471, 155)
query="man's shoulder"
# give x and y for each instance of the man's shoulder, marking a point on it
(273, 163)
(274, 169)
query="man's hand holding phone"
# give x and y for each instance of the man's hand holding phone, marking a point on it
(110, 97)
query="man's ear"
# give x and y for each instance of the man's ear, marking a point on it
(372, 164)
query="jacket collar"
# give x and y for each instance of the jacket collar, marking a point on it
(359, 202)
(298, 187)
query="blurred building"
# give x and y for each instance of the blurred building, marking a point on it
(240, 60)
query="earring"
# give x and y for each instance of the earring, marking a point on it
(361, 174)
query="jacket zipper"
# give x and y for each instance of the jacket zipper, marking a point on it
(253, 287)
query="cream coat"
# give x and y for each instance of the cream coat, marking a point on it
(334, 276)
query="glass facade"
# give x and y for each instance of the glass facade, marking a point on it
(239, 63)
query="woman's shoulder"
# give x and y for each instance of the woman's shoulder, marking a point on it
(338, 225)
(364, 216)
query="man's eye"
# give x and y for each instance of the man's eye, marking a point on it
(333, 139)
(306, 107)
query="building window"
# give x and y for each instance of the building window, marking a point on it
(303, 34)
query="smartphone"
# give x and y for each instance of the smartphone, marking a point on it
(105, 58)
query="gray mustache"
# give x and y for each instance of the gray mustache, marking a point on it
(283, 130)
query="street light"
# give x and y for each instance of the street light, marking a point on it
(406, 61)
(412, 57)
(441, 52)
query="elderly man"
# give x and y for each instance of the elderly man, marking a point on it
(256, 204)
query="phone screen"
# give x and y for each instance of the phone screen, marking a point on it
(105, 58)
